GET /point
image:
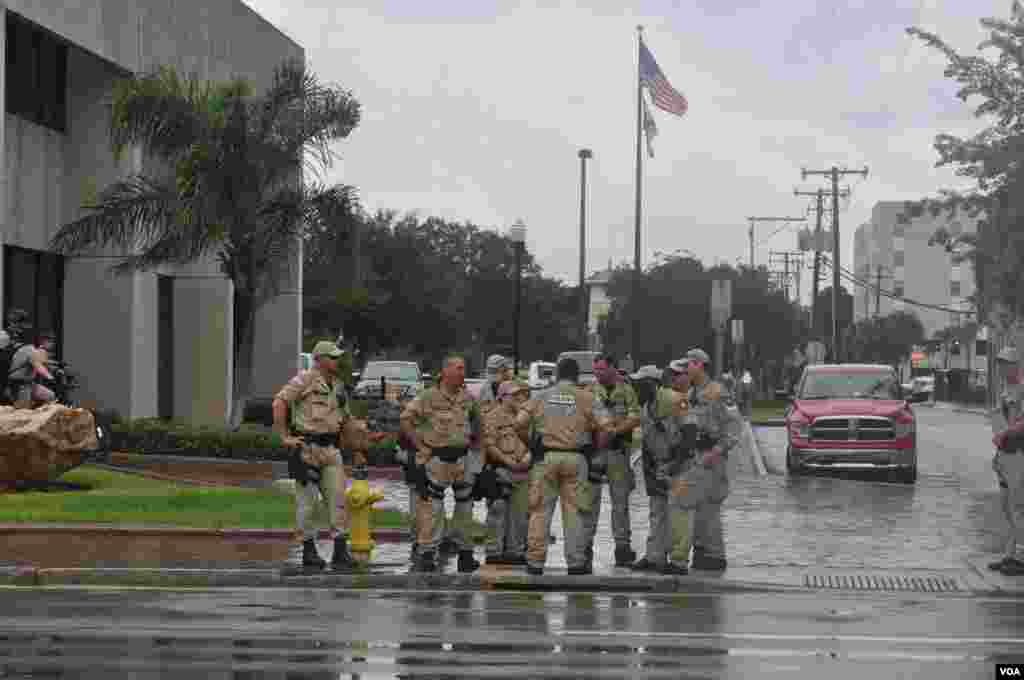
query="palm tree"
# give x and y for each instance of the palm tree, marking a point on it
(226, 183)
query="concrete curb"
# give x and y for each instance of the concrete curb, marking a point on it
(32, 577)
(384, 535)
(755, 450)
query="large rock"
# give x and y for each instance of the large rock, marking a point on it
(38, 445)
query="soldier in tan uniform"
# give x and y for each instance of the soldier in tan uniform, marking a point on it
(503, 446)
(564, 419)
(309, 418)
(444, 423)
(704, 485)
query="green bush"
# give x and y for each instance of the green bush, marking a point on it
(154, 435)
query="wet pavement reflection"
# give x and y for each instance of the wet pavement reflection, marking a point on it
(292, 634)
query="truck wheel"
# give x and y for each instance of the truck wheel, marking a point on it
(791, 466)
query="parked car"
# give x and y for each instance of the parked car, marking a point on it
(542, 374)
(586, 363)
(851, 417)
(406, 375)
(922, 389)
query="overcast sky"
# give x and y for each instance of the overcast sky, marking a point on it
(476, 110)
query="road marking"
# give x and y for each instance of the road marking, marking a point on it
(797, 637)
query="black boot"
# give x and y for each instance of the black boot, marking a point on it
(624, 556)
(342, 559)
(310, 557)
(467, 564)
(425, 562)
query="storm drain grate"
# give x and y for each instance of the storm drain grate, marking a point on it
(917, 584)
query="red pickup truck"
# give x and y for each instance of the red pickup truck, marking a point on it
(851, 417)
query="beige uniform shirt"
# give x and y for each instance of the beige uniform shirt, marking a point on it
(440, 419)
(565, 415)
(314, 403)
(502, 440)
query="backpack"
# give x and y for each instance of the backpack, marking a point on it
(6, 359)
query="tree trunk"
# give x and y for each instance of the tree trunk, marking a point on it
(244, 359)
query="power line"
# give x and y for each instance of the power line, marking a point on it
(853, 278)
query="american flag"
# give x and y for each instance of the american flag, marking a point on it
(650, 129)
(664, 96)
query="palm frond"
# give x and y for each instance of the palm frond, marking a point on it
(126, 213)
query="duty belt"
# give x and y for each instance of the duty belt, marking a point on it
(320, 438)
(705, 442)
(449, 454)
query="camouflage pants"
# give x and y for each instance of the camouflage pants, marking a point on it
(332, 485)
(1009, 469)
(561, 477)
(430, 525)
(621, 483)
(695, 497)
(498, 515)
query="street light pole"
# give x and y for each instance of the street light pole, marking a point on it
(518, 235)
(583, 154)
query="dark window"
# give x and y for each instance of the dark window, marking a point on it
(34, 281)
(165, 347)
(980, 348)
(897, 289)
(954, 288)
(899, 229)
(36, 74)
(897, 258)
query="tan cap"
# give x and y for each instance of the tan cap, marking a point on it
(326, 348)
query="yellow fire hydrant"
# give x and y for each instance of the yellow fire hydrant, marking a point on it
(359, 499)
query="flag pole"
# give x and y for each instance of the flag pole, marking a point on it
(639, 190)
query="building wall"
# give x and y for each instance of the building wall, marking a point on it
(110, 329)
(925, 273)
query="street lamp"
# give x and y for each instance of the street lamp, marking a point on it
(583, 154)
(517, 232)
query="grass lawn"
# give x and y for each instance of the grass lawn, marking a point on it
(119, 498)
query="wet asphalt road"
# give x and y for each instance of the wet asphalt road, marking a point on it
(950, 514)
(297, 633)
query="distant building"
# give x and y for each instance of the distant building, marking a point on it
(898, 257)
(599, 307)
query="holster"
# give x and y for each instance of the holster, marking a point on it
(302, 472)
(536, 447)
(488, 485)
(449, 454)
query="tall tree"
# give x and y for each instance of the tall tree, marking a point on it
(226, 182)
(991, 159)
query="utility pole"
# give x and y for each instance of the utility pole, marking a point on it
(786, 268)
(583, 154)
(835, 172)
(750, 233)
(819, 211)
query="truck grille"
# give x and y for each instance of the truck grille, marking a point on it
(867, 429)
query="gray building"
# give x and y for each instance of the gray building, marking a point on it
(898, 256)
(147, 344)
